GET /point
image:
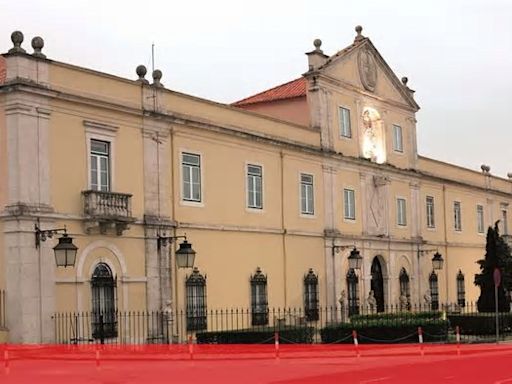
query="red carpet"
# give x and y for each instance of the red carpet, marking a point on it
(247, 364)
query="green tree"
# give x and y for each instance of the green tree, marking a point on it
(497, 255)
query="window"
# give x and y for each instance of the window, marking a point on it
(430, 212)
(100, 165)
(254, 186)
(195, 285)
(401, 214)
(191, 169)
(405, 290)
(104, 317)
(345, 129)
(259, 302)
(461, 290)
(434, 291)
(398, 145)
(306, 194)
(350, 204)
(457, 220)
(353, 292)
(480, 218)
(504, 225)
(311, 296)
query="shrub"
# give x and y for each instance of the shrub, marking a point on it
(385, 331)
(398, 316)
(481, 323)
(265, 335)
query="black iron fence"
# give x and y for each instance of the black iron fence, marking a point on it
(397, 323)
(3, 312)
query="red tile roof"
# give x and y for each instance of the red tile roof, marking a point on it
(290, 90)
(3, 71)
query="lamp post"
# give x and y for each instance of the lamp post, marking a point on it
(437, 264)
(334, 250)
(354, 259)
(65, 251)
(184, 258)
(437, 261)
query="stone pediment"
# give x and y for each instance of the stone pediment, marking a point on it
(361, 66)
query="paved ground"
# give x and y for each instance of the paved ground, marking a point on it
(241, 364)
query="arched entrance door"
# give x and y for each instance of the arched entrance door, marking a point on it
(377, 284)
(104, 317)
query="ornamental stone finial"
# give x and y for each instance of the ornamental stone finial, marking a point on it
(317, 43)
(157, 76)
(17, 38)
(359, 37)
(38, 44)
(141, 71)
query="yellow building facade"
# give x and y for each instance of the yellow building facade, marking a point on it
(271, 187)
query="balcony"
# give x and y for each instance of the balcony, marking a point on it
(104, 210)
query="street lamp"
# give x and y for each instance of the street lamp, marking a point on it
(437, 261)
(65, 251)
(354, 263)
(185, 255)
(354, 259)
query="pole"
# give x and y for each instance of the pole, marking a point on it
(497, 281)
(496, 305)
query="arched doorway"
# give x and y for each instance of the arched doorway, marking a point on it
(377, 283)
(103, 287)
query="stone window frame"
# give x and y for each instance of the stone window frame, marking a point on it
(247, 192)
(106, 133)
(343, 133)
(398, 140)
(183, 201)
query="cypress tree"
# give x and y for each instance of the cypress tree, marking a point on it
(497, 255)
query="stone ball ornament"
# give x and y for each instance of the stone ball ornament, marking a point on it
(17, 38)
(157, 76)
(141, 70)
(37, 45)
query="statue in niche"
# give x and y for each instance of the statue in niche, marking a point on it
(371, 301)
(370, 137)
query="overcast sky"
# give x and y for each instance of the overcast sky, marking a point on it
(457, 54)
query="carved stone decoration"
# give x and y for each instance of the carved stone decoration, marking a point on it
(404, 302)
(376, 206)
(427, 297)
(367, 69)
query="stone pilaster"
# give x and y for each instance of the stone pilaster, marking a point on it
(30, 276)
(415, 209)
(157, 189)
(29, 270)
